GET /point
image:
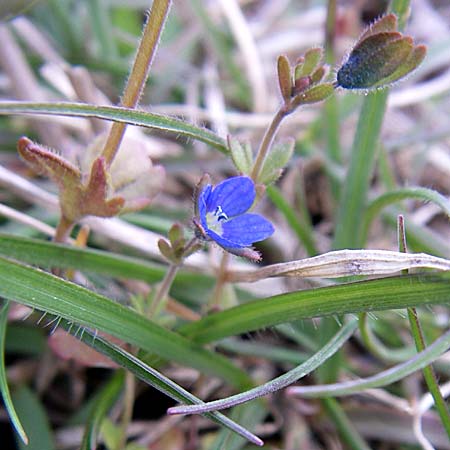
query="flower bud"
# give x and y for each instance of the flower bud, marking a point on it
(381, 57)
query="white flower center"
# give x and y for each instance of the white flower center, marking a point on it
(214, 220)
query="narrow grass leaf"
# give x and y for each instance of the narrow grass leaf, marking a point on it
(354, 196)
(303, 230)
(48, 293)
(104, 402)
(277, 383)
(393, 374)
(34, 420)
(351, 298)
(389, 198)
(154, 378)
(118, 114)
(4, 381)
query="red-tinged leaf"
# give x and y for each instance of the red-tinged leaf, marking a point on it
(284, 77)
(48, 163)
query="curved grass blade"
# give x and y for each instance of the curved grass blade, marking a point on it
(278, 383)
(108, 396)
(420, 193)
(393, 374)
(3, 380)
(118, 114)
(373, 295)
(153, 377)
(34, 419)
(46, 292)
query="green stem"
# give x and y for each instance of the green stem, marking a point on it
(419, 340)
(267, 141)
(163, 289)
(167, 281)
(345, 427)
(139, 72)
(428, 371)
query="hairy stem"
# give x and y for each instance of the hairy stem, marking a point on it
(267, 141)
(139, 72)
(63, 229)
(167, 281)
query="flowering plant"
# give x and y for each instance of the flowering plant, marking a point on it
(223, 218)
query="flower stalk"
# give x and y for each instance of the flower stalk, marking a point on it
(139, 72)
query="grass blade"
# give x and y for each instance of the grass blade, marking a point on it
(48, 293)
(384, 378)
(118, 114)
(106, 399)
(153, 377)
(34, 419)
(354, 195)
(373, 295)
(3, 380)
(280, 382)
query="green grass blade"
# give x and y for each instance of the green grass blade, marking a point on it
(373, 295)
(34, 419)
(329, 349)
(118, 114)
(389, 198)
(3, 380)
(48, 293)
(389, 376)
(344, 425)
(304, 230)
(354, 195)
(49, 254)
(106, 399)
(153, 377)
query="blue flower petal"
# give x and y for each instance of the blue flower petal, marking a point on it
(234, 196)
(202, 204)
(246, 229)
(225, 243)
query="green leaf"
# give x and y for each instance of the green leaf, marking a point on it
(373, 295)
(312, 59)
(49, 254)
(34, 420)
(118, 114)
(241, 154)
(104, 402)
(420, 193)
(152, 377)
(276, 160)
(329, 349)
(352, 204)
(302, 229)
(3, 379)
(48, 293)
(389, 376)
(315, 94)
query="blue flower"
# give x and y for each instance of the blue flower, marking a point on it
(223, 217)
